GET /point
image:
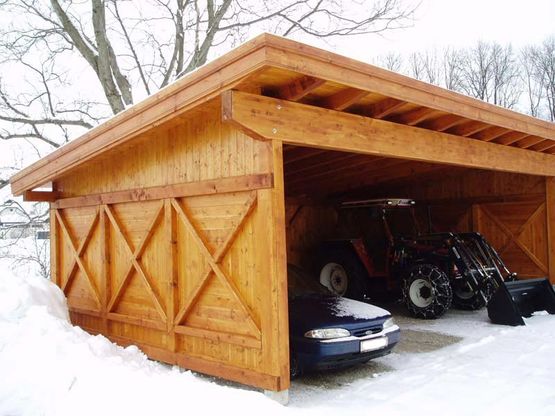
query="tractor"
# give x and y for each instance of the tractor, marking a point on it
(380, 248)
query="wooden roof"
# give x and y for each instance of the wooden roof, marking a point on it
(292, 71)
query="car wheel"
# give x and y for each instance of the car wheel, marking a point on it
(342, 273)
(427, 291)
(465, 298)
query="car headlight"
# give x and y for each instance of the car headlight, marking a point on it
(327, 333)
(388, 323)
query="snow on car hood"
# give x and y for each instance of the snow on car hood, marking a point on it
(358, 310)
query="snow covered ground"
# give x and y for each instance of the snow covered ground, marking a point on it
(49, 367)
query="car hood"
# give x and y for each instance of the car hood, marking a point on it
(318, 311)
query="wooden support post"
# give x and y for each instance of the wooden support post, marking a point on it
(550, 213)
(54, 274)
(279, 260)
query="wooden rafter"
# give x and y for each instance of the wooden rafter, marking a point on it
(510, 138)
(214, 261)
(443, 123)
(530, 141)
(343, 99)
(356, 168)
(78, 252)
(467, 129)
(298, 88)
(383, 108)
(490, 133)
(300, 153)
(413, 117)
(134, 257)
(320, 163)
(544, 146)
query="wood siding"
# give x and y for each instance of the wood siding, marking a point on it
(510, 210)
(195, 148)
(197, 280)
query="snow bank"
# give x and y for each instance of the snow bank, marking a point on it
(49, 367)
(357, 310)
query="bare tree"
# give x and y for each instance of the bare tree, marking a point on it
(426, 66)
(79, 62)
(392, 61)
(490, 73)
(542, 60)
(533, 80)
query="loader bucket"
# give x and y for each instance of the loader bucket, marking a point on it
(520, 298)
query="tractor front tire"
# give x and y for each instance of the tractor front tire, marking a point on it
(343, 274)
(427, 291)
(465, 299)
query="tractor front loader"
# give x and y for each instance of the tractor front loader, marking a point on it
(432, 271)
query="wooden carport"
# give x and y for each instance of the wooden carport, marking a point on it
(169, 226)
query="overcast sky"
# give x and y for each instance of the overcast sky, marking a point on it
(440, 23)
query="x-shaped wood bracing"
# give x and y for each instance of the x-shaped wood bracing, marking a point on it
(77, 253)
(514, 237)
(134, 257)
(214, 260)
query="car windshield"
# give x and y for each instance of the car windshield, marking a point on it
(301, 283)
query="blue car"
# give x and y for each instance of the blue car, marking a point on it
(330, 332)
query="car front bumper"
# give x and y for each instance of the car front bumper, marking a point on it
(313, 354)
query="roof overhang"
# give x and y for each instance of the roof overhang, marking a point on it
(291, 71)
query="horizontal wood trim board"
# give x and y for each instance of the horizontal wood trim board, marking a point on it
(203, 365)
(219, 336)
(40, 196)
(216, 186)
(306, 125)
(85, 311)
(135, 320)
(244, 376)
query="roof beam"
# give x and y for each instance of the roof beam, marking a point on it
(294, 123)
(343, 99)
(298, 88)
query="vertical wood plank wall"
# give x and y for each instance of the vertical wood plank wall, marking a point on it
(512, 211)
(515, 212)
(195, 280)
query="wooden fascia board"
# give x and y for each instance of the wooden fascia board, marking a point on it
(198, 87)
(287, 54)
(305, 125)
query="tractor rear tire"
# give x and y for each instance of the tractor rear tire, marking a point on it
(343, 274)
(427, 291)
